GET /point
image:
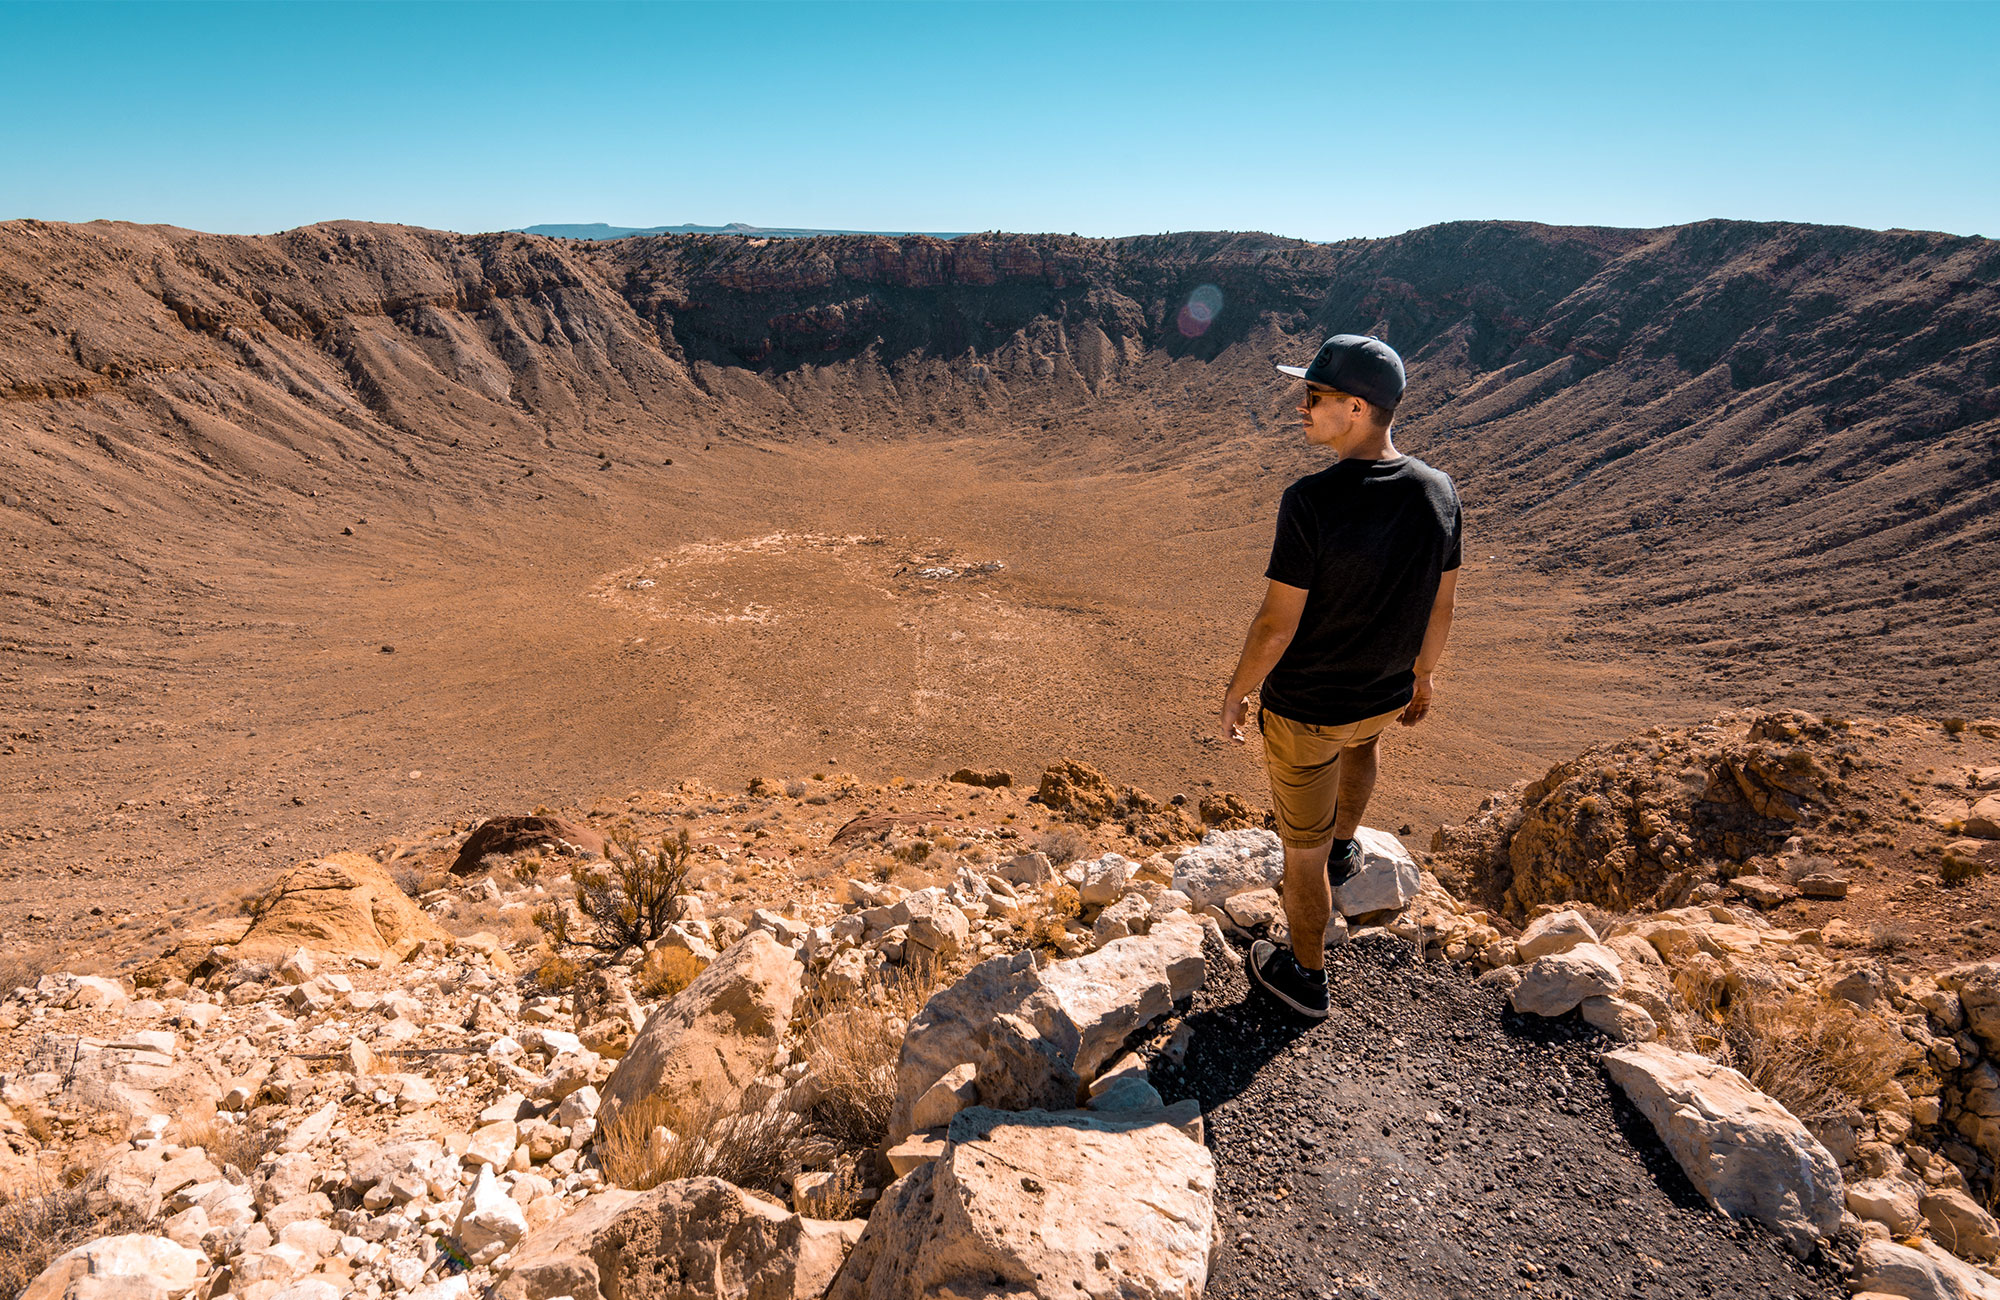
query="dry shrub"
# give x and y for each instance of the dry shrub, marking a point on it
(1890, 937)
(1822, 1057)
(556, 973)
(22, 968)
(666, 971)
(40, 1223)
(851, 1045)
(1062, 844)
(1953, 869)
(757, 1149)
(242, 1145)
(631, 898)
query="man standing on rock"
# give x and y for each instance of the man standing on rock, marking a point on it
(1362, 578)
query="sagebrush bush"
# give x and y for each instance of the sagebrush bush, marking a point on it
(630, 898)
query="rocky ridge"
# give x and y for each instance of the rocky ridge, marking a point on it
(334, 1095)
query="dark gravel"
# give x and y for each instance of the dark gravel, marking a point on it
(1426, 1141)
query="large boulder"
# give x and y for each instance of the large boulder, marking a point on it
(1557, 984)
(1978, 989)
(691, 1239)
(1083, 1010)
(140, 1074)
(342, 906)
(515, 834)
(955, 1027)
(1227, 863)
(1060, 1205)
(1387, 880)
(1128, 983)
(1922, 1272)
(1748, 1155)
(1556, 932)
(135, 1266)
(705, 1044)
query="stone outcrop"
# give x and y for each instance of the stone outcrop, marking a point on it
(1228, 863)
(1557, 984)
(1749, 1156)
(345, 905)
(514, 834)
(135, 1266)
(1070, 1017)
(705, 1044)
(1057, 1205)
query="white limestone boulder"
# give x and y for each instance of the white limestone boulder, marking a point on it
(709, 1041)
(1555, 985)
(133, 1266)
(1748, 1155)
(1554, 933)
(1058, 1205)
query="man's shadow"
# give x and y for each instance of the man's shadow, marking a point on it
(1231, 1041)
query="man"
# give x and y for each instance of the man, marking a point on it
(1362, 578)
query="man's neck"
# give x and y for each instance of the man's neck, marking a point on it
(1377, 447)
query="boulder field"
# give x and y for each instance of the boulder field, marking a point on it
(1031, 1077)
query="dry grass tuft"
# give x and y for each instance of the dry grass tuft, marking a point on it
(40, 1223)
(1823, 1058)
(666, 971)
(851, 1045)
(655, 1140)
(242, 1145)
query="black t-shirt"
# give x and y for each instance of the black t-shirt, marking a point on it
(1369, 540)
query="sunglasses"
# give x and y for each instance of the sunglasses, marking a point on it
(1317, 394)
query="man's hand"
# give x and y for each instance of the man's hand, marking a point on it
(1419, 704)
(1234, 709)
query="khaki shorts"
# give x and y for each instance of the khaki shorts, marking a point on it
(1303, 763)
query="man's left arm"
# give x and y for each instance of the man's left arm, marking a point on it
(1435, 633)
(1270, 632)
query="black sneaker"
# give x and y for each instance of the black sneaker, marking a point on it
(1278, 973)
(1341, 864)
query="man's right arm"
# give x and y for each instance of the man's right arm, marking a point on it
(1435, 634)
(1270, 633)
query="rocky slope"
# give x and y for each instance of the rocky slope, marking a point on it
(925, 1075)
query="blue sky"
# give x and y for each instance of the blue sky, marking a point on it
(1321, 121)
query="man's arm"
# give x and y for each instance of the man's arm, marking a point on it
(1435, 633)
(1270, 632)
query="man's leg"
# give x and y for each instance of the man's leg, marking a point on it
(1356, 782)
(1308, 903)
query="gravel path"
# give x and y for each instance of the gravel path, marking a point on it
(1425, 1141)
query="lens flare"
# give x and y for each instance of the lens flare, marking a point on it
(1200, 311)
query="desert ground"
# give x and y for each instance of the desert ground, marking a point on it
(755, 610)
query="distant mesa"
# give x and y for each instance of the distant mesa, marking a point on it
(599, 230)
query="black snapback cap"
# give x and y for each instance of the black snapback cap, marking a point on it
(1355, 363)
